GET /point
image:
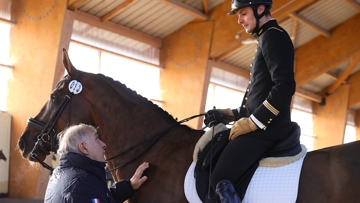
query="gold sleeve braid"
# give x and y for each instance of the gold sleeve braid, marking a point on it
(271, 108)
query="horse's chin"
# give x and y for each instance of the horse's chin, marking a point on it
(40, 156)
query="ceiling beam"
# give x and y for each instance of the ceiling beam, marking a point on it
(310, 24)
(117, 10)
(331, 76)
(232, 69)
(118, 29)
(186, 8)
(344, 75)
(308, 95)
(320, 55)
(226, 27)
(354, 3)
(75, 4)
(241, 36)
(246, 74)
(117, 54)
(206, 6)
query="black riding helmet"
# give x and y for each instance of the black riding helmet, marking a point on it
(254, 4)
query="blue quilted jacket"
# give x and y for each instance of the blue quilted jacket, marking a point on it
(80, 179)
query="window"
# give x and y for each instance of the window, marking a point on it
(350, 129)
(224, 91)
(84, 58)
(305, 121)
(141, 77)
(222, 97)
(302, 114)
(5, 71)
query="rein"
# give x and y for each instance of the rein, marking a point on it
(48, 132)
(157, 135)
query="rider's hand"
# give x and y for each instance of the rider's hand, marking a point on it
(138, 179)
(215, 116)
(242, 126)
(212, 118)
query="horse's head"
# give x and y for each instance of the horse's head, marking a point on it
(64, 107)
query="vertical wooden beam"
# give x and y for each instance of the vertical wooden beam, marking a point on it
(357, 124)
(354, 98)
(34, 44)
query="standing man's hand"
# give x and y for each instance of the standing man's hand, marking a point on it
(138, 179)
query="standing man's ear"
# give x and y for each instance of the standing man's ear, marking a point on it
(82, 148)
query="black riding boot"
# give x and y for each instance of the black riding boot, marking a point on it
(226, 192)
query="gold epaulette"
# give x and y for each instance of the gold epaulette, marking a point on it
(275, 29)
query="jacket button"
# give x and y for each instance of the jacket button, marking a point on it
(248, 90)
(244, 106)
(246, 98)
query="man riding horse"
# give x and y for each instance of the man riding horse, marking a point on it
(263, 119)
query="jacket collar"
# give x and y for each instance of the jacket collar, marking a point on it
(266, 26)
(84, 163)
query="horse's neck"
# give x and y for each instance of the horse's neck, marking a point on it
(175, 145)
(123, 117)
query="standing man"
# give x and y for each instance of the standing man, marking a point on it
(263, 118)
(81, 176)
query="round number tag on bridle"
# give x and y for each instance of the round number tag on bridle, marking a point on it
(75, 87)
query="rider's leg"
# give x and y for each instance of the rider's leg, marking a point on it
(239, 156)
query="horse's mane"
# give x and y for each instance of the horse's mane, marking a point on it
(139, 98)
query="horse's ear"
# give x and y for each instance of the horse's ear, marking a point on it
(67, 64)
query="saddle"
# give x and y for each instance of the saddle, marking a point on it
(208, 157)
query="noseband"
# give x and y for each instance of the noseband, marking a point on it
(48, 133)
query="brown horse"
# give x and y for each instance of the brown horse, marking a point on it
(136, 130)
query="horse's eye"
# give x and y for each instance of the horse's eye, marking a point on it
(53, 97)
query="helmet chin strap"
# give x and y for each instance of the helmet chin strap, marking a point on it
(258, 17)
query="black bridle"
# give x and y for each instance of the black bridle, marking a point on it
(48, 133)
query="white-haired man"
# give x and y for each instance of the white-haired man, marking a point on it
(81, 175)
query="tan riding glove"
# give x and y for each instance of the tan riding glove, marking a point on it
(242, 126)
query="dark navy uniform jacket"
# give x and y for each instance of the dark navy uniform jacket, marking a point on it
(272, 85)
(80, 179)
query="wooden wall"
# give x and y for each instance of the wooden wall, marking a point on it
(44, 28)
(35, 46)
(330, 119)
(185, 79)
